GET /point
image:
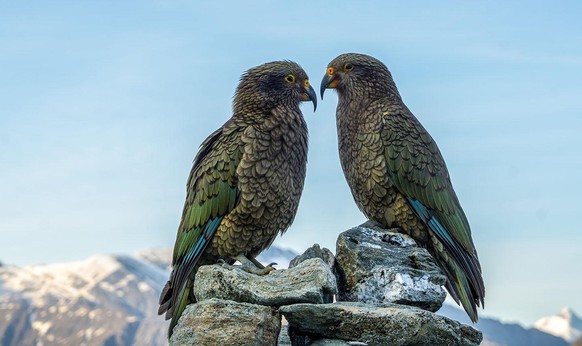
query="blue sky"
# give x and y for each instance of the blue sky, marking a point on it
(103, 105)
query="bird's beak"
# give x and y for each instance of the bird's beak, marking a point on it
(310, 95)
(329, 81)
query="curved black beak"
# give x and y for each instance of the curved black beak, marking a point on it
(312, 96)
(325, 83)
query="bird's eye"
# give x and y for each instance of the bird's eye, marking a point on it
(290, 78)
(348, 66)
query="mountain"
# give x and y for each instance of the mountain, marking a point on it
(496, 333)
(566, 325)
(112, 300)
(104, 300)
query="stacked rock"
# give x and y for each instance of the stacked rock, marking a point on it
(238, 308)
(388, 291)
(379, 289)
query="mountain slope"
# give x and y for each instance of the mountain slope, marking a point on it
(496, 333)
(103, 300)
(113, 300)
(566, 324)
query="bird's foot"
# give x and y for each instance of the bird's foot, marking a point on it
(249, 265)
(259, 271)
(228, 266)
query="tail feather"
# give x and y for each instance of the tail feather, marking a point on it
(173, 308)
(165, 299)
(465, 286)
(183, 300)
(464, 292)
(462, 268)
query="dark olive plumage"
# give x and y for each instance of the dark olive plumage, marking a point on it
(246, 181)
(397, 174)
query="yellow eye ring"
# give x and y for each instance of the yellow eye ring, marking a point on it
(348, 66)
(290, 78)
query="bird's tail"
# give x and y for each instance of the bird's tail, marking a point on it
(173, 303)
(464, 279)
(459, 263)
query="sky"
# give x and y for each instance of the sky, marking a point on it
(103, 105)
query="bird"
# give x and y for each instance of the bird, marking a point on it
(397, 174)
(246, 181)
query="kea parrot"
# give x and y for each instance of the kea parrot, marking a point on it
(397, 174)
(246, 181)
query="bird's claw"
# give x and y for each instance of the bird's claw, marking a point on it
(249, 268)
(268, 269)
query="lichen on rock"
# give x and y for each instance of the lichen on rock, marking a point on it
(386, 286)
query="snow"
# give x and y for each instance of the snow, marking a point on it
(72, 280)
(160, 257)
(131, 319)
(96, 296)
(143, 287)
(566, 325)
(41, 327)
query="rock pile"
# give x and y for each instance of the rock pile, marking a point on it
(386, 288)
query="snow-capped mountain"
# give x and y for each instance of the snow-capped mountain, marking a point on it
(103, 300)
(113, 300)
(566, 325)
(497, 333)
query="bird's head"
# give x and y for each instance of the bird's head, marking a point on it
(277, 83)
(356, 73)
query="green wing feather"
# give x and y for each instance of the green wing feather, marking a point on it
(212, 192)
(418, 171)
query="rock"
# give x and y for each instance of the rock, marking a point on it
(224, 322)
(297, 339)
(380, 266)
(294, 337)
(315, 252)
(284, 339)
(333, 342)
(390, 324)
(309, 282)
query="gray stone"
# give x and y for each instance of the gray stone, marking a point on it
(333, 342)
(390, 324)
(315, 252)
(293, 337)
(309, 282)
(284, 339)
(224, 322)
(380, 266)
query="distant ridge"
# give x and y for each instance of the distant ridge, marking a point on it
(566, 325)
(497, 333)
(113, 299)
(102, 300)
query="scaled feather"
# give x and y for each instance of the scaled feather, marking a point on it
(227, 212)
(417, 195)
